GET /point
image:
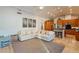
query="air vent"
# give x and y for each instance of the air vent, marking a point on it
(19, 13)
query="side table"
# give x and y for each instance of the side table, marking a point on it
(14, 37)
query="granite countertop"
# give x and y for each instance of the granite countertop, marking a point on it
(64, 29)
(61, 29)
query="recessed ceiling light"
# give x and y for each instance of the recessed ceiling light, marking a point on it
(58, 7)
(41, 7)
(70, 9)
(48, 12)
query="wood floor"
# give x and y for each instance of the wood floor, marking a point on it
(7, 49)
(71, 45)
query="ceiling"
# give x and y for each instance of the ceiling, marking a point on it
(50, 11)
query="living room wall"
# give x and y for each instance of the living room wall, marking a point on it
(11, 22)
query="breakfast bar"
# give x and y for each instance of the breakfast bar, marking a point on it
(64, 32)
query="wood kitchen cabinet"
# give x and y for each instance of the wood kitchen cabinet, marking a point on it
(74, 23)
(48, 25)
(77, 36)
(70, 32)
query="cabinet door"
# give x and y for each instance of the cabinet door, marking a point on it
(77, 23)
(77, 37)
(74, 23)
(70, 32)
(48, 25)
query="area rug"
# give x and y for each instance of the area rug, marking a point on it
(35, 46)
(54, 47)
(28, 46)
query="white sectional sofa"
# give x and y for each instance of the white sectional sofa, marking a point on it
(44, 35)
(47, 37)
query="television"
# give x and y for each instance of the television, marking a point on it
(68, 26)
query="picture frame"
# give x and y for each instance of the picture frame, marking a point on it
(24, 22)
(30, 22)
(34, 23)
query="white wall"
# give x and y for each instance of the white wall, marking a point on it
(11, 22)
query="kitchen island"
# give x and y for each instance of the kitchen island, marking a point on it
(64, 32)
